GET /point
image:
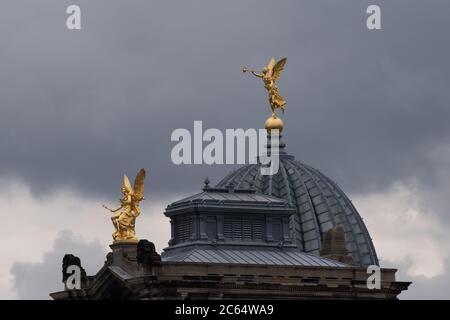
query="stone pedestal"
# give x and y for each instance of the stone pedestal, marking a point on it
(124, 255)
(135, 257)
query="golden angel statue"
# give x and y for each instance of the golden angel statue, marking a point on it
(270, 74)
(125, 216)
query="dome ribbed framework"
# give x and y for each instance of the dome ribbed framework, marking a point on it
(320, 205)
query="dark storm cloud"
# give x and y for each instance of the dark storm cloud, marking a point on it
(79, 108)
(37, 280)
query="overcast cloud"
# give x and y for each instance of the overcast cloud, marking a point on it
(80, 108)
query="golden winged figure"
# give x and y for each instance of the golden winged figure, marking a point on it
(270, 74)
(125, 216)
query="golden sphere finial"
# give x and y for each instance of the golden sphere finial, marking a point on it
(273, 122)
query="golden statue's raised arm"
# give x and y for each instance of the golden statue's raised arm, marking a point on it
(112, 210)
(259, 75)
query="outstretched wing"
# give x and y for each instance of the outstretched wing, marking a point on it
(279, 66)
(139, 185)
(271, 64)
(127, 184)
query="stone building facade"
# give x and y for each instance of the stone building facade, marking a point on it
(293, 235)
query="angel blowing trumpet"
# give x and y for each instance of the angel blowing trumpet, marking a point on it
(270, 74)
(125, 216)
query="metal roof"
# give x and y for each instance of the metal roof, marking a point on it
(278, 257)
(241, 196)
(230, 197)
(319, 202)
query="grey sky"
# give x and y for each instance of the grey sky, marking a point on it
(80, 108)
(36, 280)
(421, 287)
